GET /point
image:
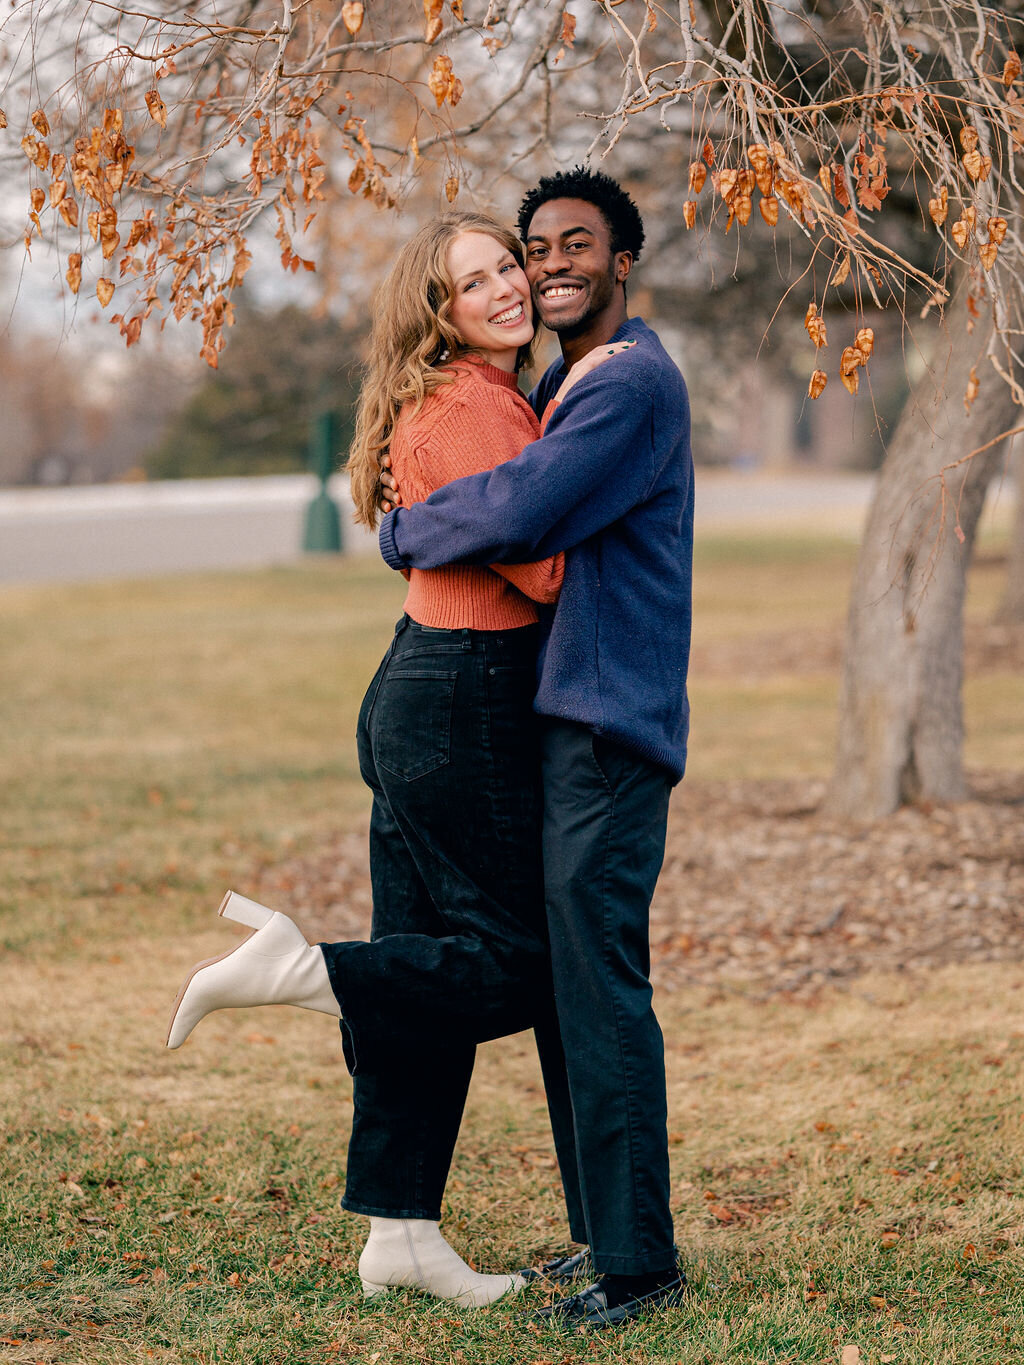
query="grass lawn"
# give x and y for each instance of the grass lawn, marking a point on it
(846, 1172)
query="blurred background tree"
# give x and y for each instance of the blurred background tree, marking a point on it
(252, 414)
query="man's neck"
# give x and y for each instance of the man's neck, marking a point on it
(596, 332)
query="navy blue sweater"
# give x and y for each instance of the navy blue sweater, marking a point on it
(611, 483)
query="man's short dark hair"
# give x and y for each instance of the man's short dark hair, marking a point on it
(620, 213)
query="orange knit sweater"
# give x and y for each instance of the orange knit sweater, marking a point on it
(466, 427)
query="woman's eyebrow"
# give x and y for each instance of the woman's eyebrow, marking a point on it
(472, 274)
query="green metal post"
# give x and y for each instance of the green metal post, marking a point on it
(323, 524)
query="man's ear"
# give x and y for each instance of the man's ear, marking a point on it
(623, 265)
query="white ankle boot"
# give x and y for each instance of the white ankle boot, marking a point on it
(410, 1253)
(274, 966)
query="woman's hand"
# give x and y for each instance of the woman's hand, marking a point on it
(392, 497)
(590, 362)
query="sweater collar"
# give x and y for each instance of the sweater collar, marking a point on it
(491, 373)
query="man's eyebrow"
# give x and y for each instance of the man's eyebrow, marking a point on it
(569, 232)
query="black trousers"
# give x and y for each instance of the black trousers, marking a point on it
(449, 745)
(605, 814)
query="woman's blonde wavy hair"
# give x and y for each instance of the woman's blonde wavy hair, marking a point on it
(410, 341)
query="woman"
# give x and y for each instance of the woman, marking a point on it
(448, 745)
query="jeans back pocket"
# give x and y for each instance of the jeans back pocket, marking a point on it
(412, 721)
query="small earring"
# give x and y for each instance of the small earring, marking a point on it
(444, 354)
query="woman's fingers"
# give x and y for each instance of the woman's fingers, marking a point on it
(591, 361)
(392, 497)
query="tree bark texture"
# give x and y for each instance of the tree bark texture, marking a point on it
(1011, 608)
(900, 710)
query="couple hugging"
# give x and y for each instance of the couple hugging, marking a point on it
(520, 738)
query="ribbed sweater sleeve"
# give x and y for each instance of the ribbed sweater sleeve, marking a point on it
(594, 463)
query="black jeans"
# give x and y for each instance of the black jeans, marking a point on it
(605, 814)
(449, 745)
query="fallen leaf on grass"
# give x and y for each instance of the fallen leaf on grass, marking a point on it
(850, 1356)
(888, 1240)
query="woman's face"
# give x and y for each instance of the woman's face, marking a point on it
(491, 309)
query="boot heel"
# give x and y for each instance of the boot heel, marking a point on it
(371, 1290)
(244, 911)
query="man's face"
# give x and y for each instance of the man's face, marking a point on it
(574, 274)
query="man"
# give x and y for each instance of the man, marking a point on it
(611, 484)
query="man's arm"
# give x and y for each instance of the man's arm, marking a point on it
(593, 464)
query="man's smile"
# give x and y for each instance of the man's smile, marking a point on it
(560, 291)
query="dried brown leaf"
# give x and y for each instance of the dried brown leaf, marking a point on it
(938, 207)
(996, 230)
(73, 274)
(968, 138)
(689, 213)
(815, 326)
(1012, 69)
(725, 183)
(432, 10)
(451, 188)
(157, 108)
(769, 210)
(978, 167)
(757, 155)
(848, 369)
(865, 342)
(817, 385)
(843, 273)
(104, 291)
(698, 176)
(352, 16)
(40, 123)
(961, 231)
(973, 386)
(988, 253)
(444, 84)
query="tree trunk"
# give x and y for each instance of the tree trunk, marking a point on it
(900, 709)
(1011, 608)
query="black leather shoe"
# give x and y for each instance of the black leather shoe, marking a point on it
(562, 1269)
(589, 1309)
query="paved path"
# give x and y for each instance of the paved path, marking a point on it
(128, 530)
